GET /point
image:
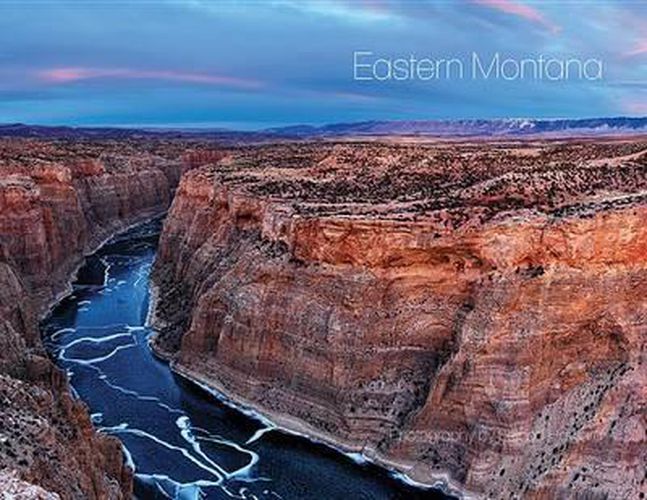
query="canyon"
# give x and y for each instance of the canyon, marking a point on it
(59, 200)
(467, 313)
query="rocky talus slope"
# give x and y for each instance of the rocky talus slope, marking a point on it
(58, 201)
(473, 313)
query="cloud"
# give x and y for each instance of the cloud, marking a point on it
(75, 74)
(347, 10)
(634, 107)
(520, 10)
(638, 50)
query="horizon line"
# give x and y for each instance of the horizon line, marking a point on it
(265, 126)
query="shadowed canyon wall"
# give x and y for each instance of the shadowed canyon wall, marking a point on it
(473, 313)
(58, 201)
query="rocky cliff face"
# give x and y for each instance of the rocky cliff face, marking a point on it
(58, 201)
(472, 313)
(12, 486)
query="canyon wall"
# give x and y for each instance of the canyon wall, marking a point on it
(467, 313)
(59, 201)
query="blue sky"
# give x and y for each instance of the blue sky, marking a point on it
(251, 64)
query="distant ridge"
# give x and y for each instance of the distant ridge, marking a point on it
(67, 132)
(472, 128)
(508, 127)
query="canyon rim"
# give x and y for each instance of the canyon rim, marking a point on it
(468, 313)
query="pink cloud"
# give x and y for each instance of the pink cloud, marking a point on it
(634, 107)
(638, 50)
(75, 74)
(351, 96)
(520, 10)
(375, 6)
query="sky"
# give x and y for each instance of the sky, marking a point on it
(263, 63)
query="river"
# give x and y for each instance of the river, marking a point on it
(181, 440)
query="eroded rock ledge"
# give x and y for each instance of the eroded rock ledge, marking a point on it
(58, 201)
(473, 313)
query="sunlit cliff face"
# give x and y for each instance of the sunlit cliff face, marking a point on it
(443, 308)
(59, 200)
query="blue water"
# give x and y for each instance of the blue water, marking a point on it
(182, 441)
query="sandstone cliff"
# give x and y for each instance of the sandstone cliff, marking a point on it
(473, 313)
(58, 201)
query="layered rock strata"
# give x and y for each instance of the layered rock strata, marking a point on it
(58, 201)
(471, 313)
